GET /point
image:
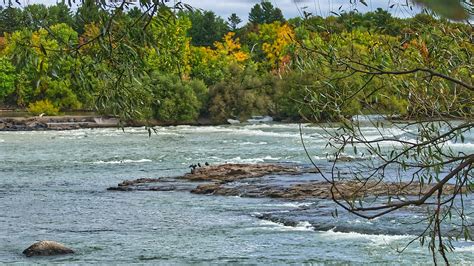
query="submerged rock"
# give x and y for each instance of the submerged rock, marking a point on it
(47, 248)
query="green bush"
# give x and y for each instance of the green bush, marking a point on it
(244, 94)
(7, 78)
(176, 100)
(43, 107)
(61, 94)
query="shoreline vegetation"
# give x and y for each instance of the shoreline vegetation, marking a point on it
(19, 122)
(178, 66)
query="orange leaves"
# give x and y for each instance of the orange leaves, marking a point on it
(241, 56)
(420, 46)
(424, 50)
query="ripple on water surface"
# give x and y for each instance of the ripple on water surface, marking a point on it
(53, 187)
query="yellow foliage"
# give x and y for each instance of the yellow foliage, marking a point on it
(91, 31)
(241, 56)
(43, 107)
(2, 43)
(230, 47)
(278, 38)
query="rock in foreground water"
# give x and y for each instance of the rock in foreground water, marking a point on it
(47, 248)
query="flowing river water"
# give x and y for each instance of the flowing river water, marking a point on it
(53, 186)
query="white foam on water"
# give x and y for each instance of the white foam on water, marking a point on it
(258, 132)
(273, 226)
(346, 156)
(245, 131)
(466, 145)
(126, 161)
(254, 143)
(162, 133)
(295, 204)
(238, 159)
(288, 204)
(273, 125)
(359, 221)
(316, 157)
(465, 249)
(374, 239)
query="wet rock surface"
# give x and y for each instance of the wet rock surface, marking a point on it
(47, 248)
(40, 123)
(225, 173)
(290, 182)
(210, 177)
(302, 198)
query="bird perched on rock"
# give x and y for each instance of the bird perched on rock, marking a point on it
(199, 164)
(206, 164)
(193, 168)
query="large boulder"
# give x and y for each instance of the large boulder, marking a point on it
(47, 248)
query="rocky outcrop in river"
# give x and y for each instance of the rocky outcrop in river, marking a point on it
(47, 248)
(271, 180)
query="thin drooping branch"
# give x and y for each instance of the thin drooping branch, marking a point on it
(372, 70)
(387, 208)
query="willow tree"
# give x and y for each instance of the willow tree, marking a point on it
(427, 66)
(429, 71)
(109, 55)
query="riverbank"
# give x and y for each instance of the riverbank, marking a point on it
(20, 121)
(70, 122)
(38, 123)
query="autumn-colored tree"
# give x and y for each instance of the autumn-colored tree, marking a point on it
(277, 42)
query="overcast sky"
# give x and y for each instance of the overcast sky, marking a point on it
(290, 8)
(293, 8)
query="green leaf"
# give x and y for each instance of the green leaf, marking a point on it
(449, 9)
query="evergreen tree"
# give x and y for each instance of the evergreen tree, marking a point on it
(60, 13)
(87, 13)
(271, 13)
(256, 15)
(35, 16)
(206, 28)
(233, 21)
(265, 13)
(10, 20)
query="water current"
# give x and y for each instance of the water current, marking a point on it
(53, 186)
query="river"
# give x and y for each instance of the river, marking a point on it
(53, 186)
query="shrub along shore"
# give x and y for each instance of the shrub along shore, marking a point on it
(175, 67)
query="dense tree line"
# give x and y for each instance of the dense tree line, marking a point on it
(176, 66)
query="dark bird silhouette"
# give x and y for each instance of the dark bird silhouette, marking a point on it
(206, 164)
(199, 164)
(193, 168)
